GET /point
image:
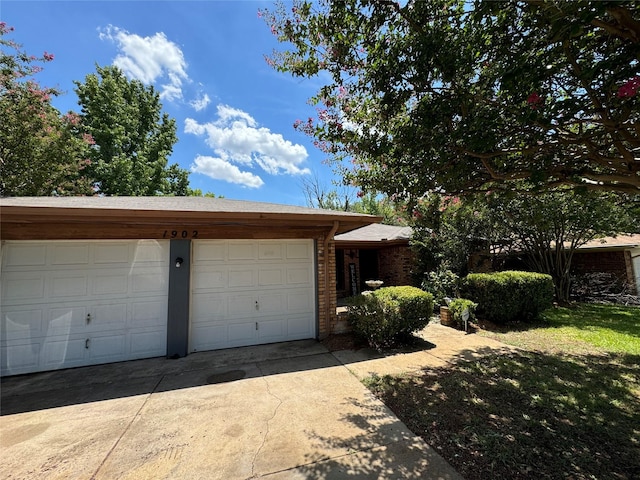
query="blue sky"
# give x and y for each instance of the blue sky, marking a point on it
(234, 113)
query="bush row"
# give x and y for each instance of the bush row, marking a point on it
(387, 315)
(508, 296)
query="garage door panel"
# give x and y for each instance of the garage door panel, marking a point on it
(67, 284)
(209, 251)
(22, 286)
(269, 294)
(205, 279)
(59, 352)
(64, 320)
(25, 255)
(300, 301)
(22, 324)
(150, 252)
(298, 327)
(270, 277)
(272, 302)
(148, 343)
(241, 277)
(209, 337)
(153, 281)
(110, 284)
(108, 348)
(241, 333)
(21, 357)
(299, 275)
(107, 317)
(60, 297)
(242, 305)
(270, 251)
(299, 250)
(70, 254)
(271, 330)
(241, 251)
(149, 314)
(115, 254)
(208, 306)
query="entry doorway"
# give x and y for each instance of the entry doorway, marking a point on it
(368, 267)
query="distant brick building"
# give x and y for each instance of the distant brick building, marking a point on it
(374, 252)
(619, 256)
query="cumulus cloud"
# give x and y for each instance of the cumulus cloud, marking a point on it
(149, 59)
(237, 139)
(221, 169)
(200, 103)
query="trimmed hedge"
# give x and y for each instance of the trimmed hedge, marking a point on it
(508, 296)
(387, 315)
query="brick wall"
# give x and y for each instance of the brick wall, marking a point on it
(610, 262)
(395, 265)
(616, 262)
(327, 319)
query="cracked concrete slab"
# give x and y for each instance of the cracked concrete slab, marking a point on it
(270, 415)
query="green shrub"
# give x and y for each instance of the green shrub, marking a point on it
(457, 308)
(440, 284)
(388, 315)
(508, 296)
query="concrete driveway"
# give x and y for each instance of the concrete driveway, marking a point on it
(282, 411)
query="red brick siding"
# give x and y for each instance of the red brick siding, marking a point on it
(395, 265)
(327, 318)
(610, 262)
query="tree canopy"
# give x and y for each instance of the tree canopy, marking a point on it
(458, 96)
(548, 228)
(41, 151)
(133, 138)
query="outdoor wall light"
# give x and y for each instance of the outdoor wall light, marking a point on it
(179, 261)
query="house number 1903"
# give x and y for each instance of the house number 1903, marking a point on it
(180, 234)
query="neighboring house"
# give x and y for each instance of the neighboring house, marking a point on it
(89, 280)
(619, 256)
(374, 252)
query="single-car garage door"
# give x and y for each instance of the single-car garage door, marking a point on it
(73, 303)
(247, 292)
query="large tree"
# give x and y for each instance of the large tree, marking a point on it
(41, 151)
(548, 228)
(461, 96)
(133, 138)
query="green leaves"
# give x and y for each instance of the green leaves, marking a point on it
(450, 96)
(133, 138)
(41, 152)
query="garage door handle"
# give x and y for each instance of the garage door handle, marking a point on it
(87, 342)
(88, 318)
(257, 305)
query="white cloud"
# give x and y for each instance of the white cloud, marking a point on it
(148, 59)
(237, 139)
(200, 103)
(220, 169)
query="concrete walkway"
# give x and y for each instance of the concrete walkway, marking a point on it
(282, 411)
(440, 346)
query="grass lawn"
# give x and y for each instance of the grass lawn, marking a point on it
(566, 406)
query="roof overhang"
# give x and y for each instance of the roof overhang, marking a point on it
(39, 218)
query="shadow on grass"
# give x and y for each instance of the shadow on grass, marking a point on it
(526, 415)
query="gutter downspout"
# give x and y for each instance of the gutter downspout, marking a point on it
(327, 293)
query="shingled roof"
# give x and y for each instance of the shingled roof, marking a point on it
(376, 233)
(27, 211)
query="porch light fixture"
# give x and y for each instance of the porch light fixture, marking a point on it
(179, 261)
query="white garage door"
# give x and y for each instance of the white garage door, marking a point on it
(73, 303)
(247, 292)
